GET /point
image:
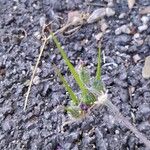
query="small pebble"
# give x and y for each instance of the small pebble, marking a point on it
(139, 42)
(146, 68)
(137, 35)
(98, 36)
(110, 3)
(117, 131)
(118, 31)
(143, 28)
(42, 21)
(136, 58)
(145, 19)
(104, 25)
(110, 12)
(122, 15)
(36, 80)
(37, 35)
(123, 29)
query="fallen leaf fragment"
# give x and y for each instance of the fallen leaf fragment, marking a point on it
(146, 68)
(131, 3)
(76, 19)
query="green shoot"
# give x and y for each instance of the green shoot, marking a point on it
(89, 99)
(68, 88)
(74, 111)
(84, 75)
(97, 83)
(71, 68)
(96, 93)
(98, 72)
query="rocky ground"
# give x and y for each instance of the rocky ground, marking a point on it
(125, 42)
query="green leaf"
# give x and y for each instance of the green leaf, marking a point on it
(98, 85)
(71, 68)
(68, 88)
(74, 111)
(98, 72)
(89, 99)
(84, 75)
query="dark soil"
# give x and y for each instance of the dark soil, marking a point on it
(40, 127)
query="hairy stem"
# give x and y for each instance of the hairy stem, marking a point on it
(123, 120)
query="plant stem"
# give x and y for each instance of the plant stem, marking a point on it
(125, 121)
(33, 74)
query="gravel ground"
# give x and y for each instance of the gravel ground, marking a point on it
(125, 41)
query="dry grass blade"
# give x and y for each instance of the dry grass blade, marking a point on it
(119, 117)
(34, 71)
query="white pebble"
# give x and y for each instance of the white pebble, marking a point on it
(118, 31)
(37, 35)
(123, 29)
(136, 58)
(42, 21)
(110, 3)
(143, 28)
(145, 19)
(99, 36)
(137, 35)
(110, 12)
(36, 80)
(104, 25)
(122, 15)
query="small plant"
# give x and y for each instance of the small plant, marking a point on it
(93, 93)
(80, 105)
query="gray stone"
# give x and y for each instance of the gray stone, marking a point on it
(123, 29)
(42, 21)
(122, 40)
(47, 115)
(145, 19)
(6, 125)
(143, 28)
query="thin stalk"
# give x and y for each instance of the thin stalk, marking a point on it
(103, 100)
(98, 72)
(33, 74)
(126, 123)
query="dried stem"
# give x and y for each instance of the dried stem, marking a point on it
(34, 71)
(103, 100)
